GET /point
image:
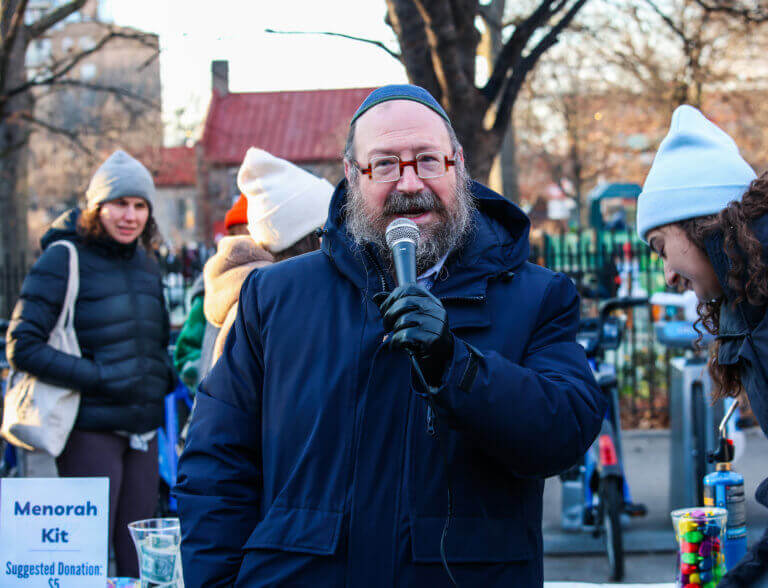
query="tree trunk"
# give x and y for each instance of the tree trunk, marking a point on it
(408, 25)
(481, 148)
(509, 170)
(439, 43)
(13, 163)
(504, 166)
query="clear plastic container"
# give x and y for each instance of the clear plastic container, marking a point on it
(123, 583)
(699, 533)
(157, 545)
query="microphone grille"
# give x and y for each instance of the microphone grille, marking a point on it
(402, 229)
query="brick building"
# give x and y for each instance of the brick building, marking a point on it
(306, 127)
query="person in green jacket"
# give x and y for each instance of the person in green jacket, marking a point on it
(186, 357)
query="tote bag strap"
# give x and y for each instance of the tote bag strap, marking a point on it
(67, 316)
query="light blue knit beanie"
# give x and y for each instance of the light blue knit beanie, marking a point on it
(697, 171)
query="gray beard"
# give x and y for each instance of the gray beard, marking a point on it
(435, 241)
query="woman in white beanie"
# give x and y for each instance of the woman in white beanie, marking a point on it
(122, 330)
(706, 214)
(285, 208)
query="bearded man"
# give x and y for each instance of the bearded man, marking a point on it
(320, 454)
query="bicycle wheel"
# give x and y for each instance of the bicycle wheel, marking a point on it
(611, 499)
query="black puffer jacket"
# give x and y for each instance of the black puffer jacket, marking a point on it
(121, 324)
(744, 341)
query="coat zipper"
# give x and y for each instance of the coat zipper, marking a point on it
(383, 281)
(430, 421)
(378, 269)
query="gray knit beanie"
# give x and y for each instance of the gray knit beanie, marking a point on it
(120, 176)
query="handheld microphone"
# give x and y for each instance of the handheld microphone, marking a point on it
(402, 237)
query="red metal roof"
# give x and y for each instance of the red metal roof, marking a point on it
(300, 126)
(172, 166)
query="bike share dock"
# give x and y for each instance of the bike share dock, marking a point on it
(664, 468)
(647, 459)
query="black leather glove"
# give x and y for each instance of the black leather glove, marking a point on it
(418, 323)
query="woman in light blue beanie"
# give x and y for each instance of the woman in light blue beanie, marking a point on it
(705, 213)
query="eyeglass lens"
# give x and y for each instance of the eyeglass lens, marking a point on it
(427, 165)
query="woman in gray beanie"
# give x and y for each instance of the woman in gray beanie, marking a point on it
(706, 214)
(122, 329)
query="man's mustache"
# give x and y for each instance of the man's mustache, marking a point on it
(401, 203)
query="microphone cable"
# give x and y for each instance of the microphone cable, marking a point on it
(432, 411)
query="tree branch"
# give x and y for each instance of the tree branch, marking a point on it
(16, 22)
(513, 49)
(11, 22)
(670, 23)
(754, 15)
(149, 60)
(9, 149)
(57, 74)
(378, 44)
(504, 111)
(490, 19)
(116, 90)
(70, 135)
(48, 20)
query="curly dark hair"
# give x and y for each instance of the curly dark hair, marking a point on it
(89, 227)
(747, 277)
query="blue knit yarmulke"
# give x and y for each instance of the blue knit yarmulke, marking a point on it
(399, 92)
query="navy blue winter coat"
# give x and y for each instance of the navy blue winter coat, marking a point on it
(309, 461)
(743, 336)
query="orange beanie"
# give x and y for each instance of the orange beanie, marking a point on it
(238, 214)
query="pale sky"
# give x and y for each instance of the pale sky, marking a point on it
(194, 33)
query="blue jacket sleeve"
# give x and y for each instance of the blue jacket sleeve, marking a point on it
(539, 416)
(219, 480)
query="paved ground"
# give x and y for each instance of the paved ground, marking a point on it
(649, 540)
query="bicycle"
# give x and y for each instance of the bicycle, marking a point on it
(178, 407)
(604, 494)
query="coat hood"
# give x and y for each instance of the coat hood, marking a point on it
(225, 272)
(498, 243)
(64, 227)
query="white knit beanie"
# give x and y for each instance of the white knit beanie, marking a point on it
(285, 203)
(119, 176)
(697, 171)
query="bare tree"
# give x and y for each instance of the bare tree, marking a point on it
(577, 127)
(599, 103)
(18, 117)
(439, 43)
(756, 11)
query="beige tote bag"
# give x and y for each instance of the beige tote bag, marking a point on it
(37, 415)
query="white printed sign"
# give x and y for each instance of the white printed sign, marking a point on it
(54, 532)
